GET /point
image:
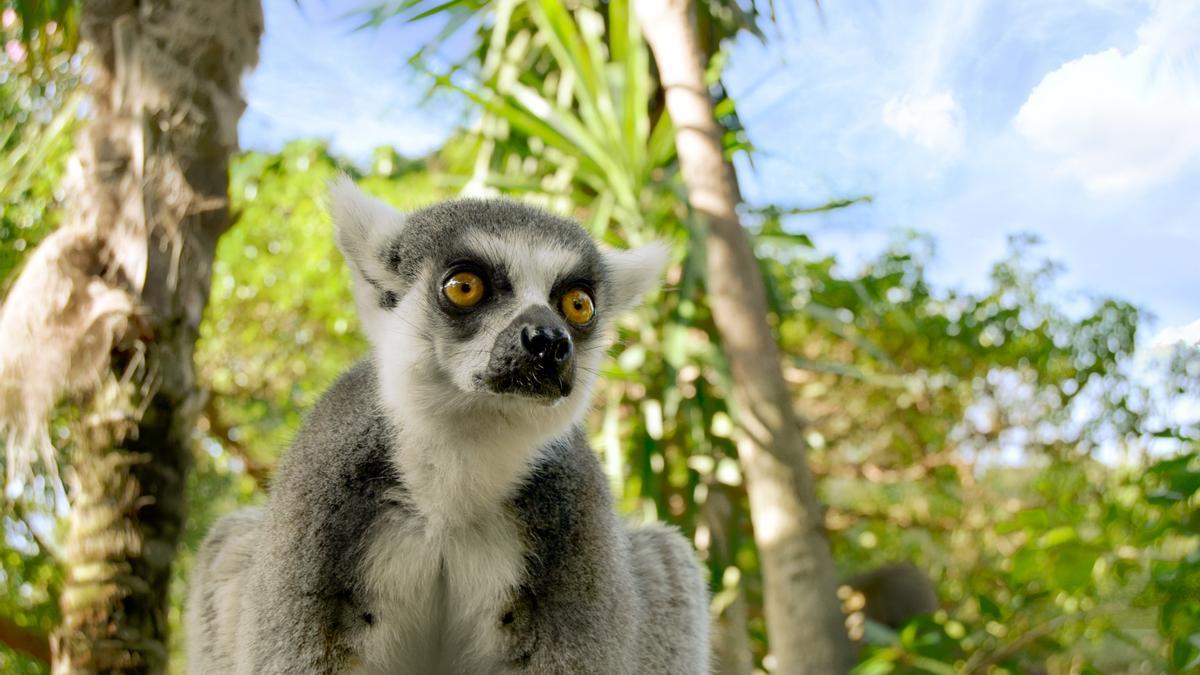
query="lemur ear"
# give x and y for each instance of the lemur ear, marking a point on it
(635, 272)
(362, 226)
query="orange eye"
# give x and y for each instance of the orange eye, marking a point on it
(577, 306)
(464, 289)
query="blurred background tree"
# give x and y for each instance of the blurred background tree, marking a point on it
(960, 433)
(106, 309)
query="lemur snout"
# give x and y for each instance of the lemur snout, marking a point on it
(548, 345)
(549, 352)
(534, 356)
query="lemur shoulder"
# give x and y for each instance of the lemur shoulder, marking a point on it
(440, 511)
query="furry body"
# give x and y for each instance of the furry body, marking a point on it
(421, 522)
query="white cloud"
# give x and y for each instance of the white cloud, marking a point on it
(1173, 335)
(933, 121)
(1120, 121)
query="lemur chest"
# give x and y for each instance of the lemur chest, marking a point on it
(436, 594)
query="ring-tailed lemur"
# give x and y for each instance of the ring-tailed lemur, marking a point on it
(441, 511)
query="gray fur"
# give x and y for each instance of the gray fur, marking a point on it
(309, 583)
(599, 596)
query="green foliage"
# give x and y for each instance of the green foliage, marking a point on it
(1167, 505)
(1106, 569)
(957, 431)
(280, 325)
(37, 117)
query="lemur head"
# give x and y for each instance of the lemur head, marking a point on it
(476, 307)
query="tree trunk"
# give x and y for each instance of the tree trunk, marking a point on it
(731, 639)
(804, 619)
(151, 201)
(731, 643)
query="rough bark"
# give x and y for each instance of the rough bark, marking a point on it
(804, 620)
(113, 303)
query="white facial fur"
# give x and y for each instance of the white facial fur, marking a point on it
(534, 268)
(464, 447)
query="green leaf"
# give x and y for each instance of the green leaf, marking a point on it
(988, 606)
(1056, 536)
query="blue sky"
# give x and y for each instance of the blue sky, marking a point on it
(1076, 120)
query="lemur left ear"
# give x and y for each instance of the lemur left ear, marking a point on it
(363, 226)
(634, 272)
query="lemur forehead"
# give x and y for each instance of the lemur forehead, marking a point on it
(444, 231)
(533, 265)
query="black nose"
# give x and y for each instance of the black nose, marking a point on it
(550, 345)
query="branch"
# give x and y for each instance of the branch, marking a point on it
(831, 205)
(876, 473)
(837, 520)
(29, 642)
(258, 471)
(980, 661)
(19, 512)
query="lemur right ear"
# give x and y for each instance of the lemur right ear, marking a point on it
(635, 272)
(363, 226)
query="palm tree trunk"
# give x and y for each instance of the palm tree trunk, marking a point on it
(151, 202)
(804, 619)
